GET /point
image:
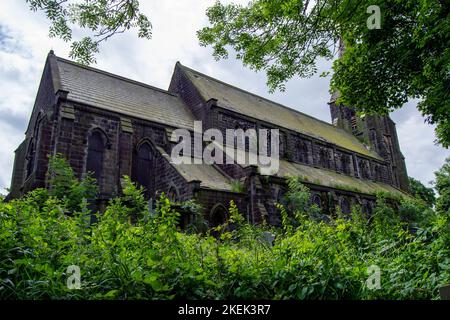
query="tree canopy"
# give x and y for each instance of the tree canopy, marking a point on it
(104, 17)
(442, 185)
(408, 57)
(419, 191)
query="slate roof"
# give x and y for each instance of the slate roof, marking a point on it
(320, 176)
(210, 177)
(114, 93)
(332, 179)
(246, 103)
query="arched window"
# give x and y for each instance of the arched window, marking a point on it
(302, 149)
(323, 158)
(345, 163)
(173, 194)
(96, 149)
(317, 200)
(235, 136)
(218, 215)
(365, 170)
(241, 140)
(143, 172)
(378, 174)
(32, 147)
(31, 153)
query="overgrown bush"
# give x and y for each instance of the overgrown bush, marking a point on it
(66, 187)
(130, 253)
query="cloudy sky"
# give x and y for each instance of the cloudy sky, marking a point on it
(24, 44)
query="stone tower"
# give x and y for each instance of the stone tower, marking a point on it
(376, 132)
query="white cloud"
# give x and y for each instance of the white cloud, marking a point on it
(7, 147)
(151, 61)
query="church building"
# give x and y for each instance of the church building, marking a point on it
(113, 126)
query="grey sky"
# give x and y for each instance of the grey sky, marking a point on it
(24, 44)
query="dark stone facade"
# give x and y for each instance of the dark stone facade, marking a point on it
(380, 134)
(61, 123)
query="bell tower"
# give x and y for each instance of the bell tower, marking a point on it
(378, 132)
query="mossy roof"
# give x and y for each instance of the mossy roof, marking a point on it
(320, 176)
(246, 103)
(209, 176)
(334, 179)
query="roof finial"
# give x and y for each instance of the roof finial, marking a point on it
(52, 52)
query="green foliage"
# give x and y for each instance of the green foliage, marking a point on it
(298, 206)
(134, 200)
(148, 257)
(408, 56)
(237, 186)
(298, 196)
(270, 35)
(442, 185)
(235, 217)
(65, 186)
(419, 191)
(198, 223)
(104, 17)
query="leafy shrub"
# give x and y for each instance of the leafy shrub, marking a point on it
(419, 191)
(442, 186)
(65, 186)
(237, 186)
(132, 254)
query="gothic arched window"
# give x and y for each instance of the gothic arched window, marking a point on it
(324, 158)
(345, 161)
(173, 194)
(302, 149)
(365, 170)
(143, 172)
(241, 138)
(30, 157)
(96, 149)
(235, 136)
(376, 170)
(32, 147)
(317, 200)
(218, 215)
